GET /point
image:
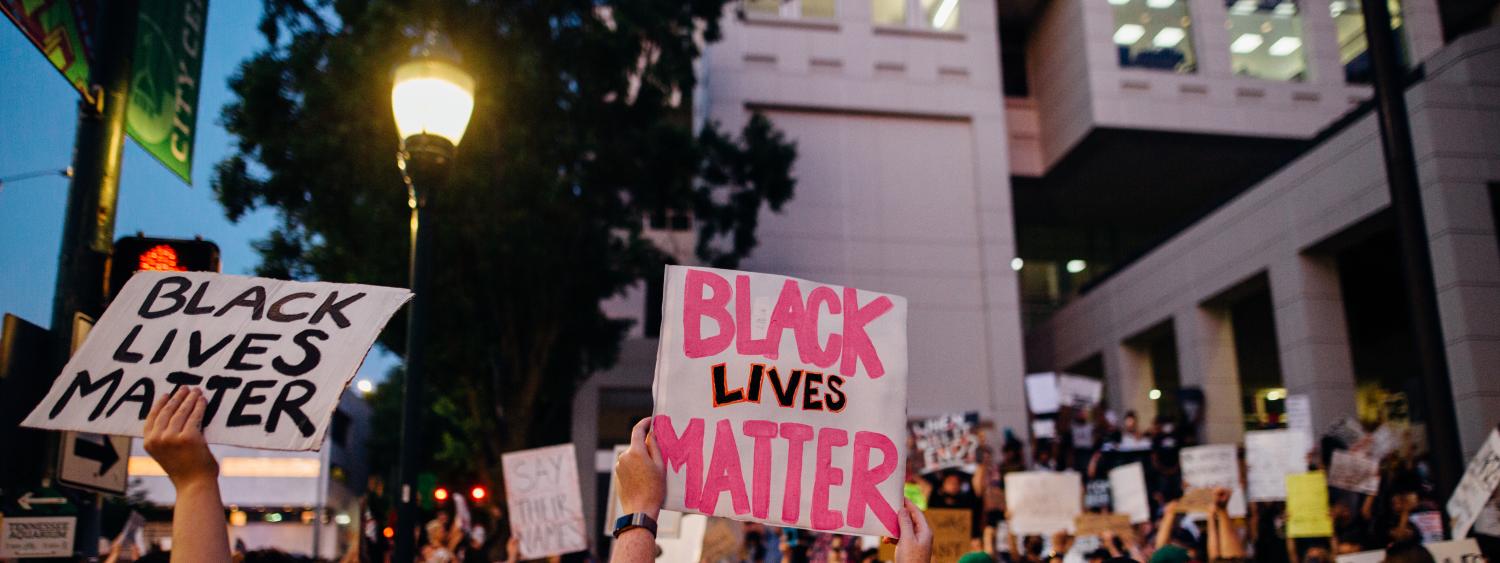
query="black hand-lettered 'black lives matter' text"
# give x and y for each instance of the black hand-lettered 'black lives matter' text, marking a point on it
(235, 377)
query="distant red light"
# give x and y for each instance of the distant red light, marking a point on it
(478, 493)
(388, 532)
(440, 494)
(160, 258)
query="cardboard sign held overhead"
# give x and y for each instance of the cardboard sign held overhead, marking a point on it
(1271, 455)
(1475, 486)
(951, 530)
(1354, 472)
(272, 356)
(1212, 466)
(1127, 487)
(782, 401)
(541, 491)
(1042, 502)
(948, 441)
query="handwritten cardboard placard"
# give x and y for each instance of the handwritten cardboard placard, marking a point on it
(1354, 472)
(1127, 490)
(1078, 391)
(1041, 393)
(782, 401)
(948, 441)
(541, 490)
(1042, 502)
(1299, 413)
(951, 530)
(272, 356)
(1215, 465)
(1271, 455)
(1200, 500)
(1474, 488)
(1096, 524)
(1455, 551)
(1307, 506)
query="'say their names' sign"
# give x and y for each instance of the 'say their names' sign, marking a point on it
(271, 356)
(782, 401)
(541, 489)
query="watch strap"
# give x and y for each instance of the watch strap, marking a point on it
(635, 520)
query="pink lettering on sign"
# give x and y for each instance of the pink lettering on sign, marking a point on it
(707, 295)
(683, 453)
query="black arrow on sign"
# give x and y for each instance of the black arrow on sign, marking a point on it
(104, 453)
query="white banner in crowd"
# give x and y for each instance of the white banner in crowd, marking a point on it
(782, 401)
(1214, 466)
(1127, 487)
(1353, 472)
(948, 441)
(1046, 392)
(1271, 455)
(1042, 502)
(541, 490)
(271, 356)
(1454, 551)
(1041, 393)
(1474, 488)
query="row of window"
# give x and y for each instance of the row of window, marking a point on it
(1265, 37)
(929, 14)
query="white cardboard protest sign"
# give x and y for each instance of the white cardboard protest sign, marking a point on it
(782, 401)
(1213, 466)
(1042, 502)
(1041, 393)
(541, 490)
(1474, 488)
(1353, 472)
(1127, 489)
(1271, 455)
(1299, 413)
(1455, 551)
(272, 356)
(948, 441)
(1078, 391)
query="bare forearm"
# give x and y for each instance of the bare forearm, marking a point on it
(199, 532)
(634, 546)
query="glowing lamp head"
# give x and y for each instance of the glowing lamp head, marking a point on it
(478, 493)
(432, 97)
(441, 494)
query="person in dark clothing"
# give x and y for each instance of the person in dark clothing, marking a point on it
(952, 493)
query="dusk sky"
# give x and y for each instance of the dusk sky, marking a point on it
(38, 114)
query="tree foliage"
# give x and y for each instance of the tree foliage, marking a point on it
(581, 131)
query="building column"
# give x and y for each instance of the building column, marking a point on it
(1127, 371)
(1312, 335)
(1210, 39)
(1320, 43)
(1205, 350)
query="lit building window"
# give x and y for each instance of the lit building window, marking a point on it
(1349, 19)
(816, 9)
(889, 12)
(1154, 34)
(930, 14)
(1265, 39)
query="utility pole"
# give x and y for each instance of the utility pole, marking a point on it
(89, 222)
(1416, 255)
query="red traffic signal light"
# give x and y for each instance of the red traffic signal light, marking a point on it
(440, 494)
(138, 253)
(478, 493)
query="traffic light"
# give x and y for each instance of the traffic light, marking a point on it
(137, 253)
(478, 493)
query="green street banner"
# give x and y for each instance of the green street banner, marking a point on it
(164, 84)
(52, 26)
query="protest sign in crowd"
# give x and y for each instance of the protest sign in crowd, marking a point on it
(776, 438)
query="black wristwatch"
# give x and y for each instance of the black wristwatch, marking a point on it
(637, 520)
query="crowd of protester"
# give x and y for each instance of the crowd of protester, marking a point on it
(1397, 519)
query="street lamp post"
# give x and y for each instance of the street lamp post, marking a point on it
(432, 99)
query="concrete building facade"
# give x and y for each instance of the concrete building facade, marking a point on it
(902, 187)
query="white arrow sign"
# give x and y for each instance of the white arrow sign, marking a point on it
(27, 500)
